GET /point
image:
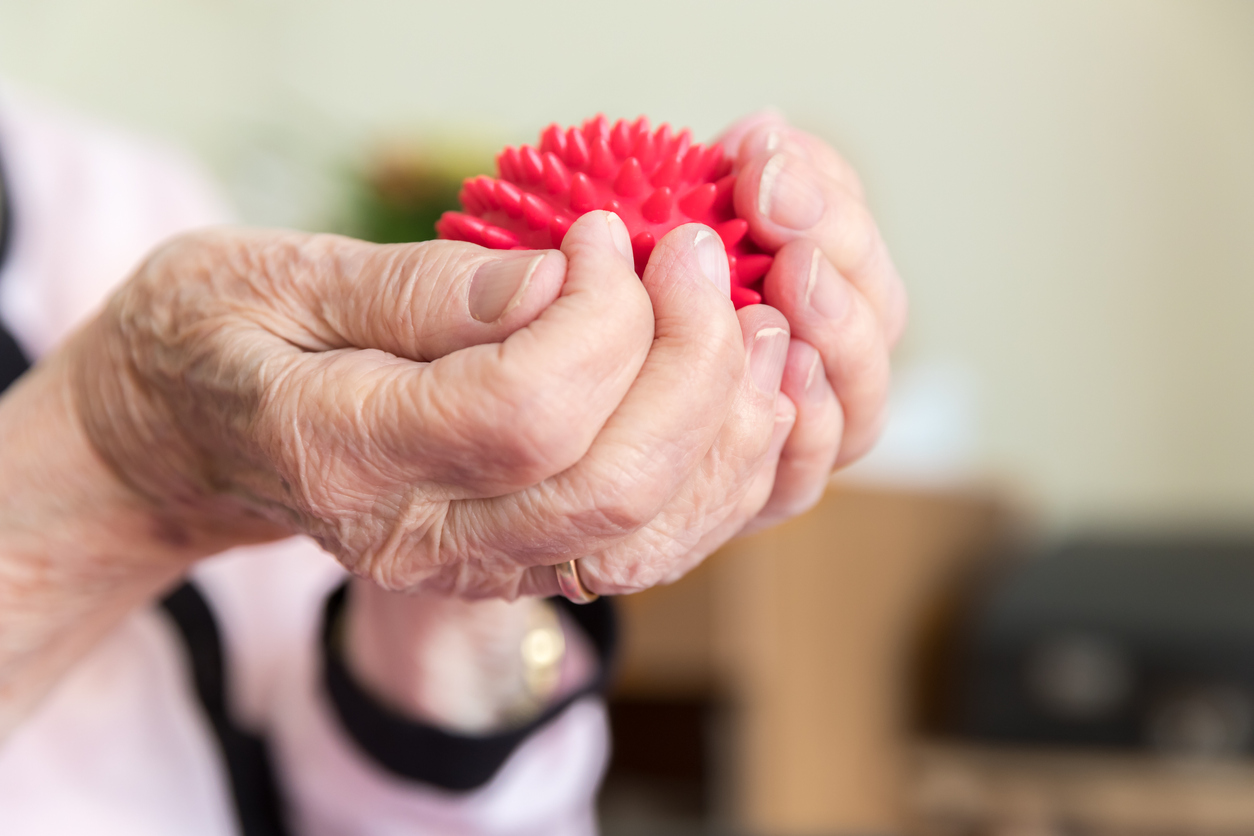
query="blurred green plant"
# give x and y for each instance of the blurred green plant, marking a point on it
(402, 190)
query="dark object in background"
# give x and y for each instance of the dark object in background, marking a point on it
(659, 772)
(1114, 643)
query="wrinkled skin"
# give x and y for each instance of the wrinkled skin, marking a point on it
(251, 385)
(445, 420)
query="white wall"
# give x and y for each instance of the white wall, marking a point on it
(1068, 186)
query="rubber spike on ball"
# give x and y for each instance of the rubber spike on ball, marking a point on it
(653, 180)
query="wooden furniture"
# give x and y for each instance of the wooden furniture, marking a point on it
(805, 630)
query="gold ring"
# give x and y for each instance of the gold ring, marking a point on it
(568, 581)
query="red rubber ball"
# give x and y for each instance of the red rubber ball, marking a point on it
(653, 180)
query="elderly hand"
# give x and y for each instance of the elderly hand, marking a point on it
(455, 419)
(440, 416)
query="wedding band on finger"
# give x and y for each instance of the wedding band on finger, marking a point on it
(568, 581)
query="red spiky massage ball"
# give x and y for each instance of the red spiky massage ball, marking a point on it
(653, 180)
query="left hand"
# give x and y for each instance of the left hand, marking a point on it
(845, 308)
(836, 284)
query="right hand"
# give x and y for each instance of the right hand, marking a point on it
(430, 418)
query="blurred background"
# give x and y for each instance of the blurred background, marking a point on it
(1031, 609)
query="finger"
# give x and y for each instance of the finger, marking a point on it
(733, 137)
(827, 312)
(664, 426)
(749, 514)
(769, 131)
(417, 301)
(717, 494)
(809, 453)
(667, 544)
(785, 198)
(541, 581)
(491, 419)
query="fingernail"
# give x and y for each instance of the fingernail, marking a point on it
(498, 285)
(826, 292)
(787, 194)
(622, 238)
(815, 378)
(712, 258)
(766, 360)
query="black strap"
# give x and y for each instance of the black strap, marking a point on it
(13, 361)
(258, 804)
(420, 752)
(6, 218)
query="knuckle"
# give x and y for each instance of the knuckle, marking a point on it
(417, 268)
(402, 549)
(517, 463)
(803, 488)
(537, 440)
(554, 438)
(614, 516)
(725, 338)
(625, 577)
(505, 429)
(633, 314)
(862, 351)
(380, 292)
(756, 495)
(859, 248)
(720, 354)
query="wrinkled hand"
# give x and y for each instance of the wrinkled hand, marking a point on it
(436, 415)
(444, 417)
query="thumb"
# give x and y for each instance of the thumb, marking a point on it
(482, 419)
(418, 301)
